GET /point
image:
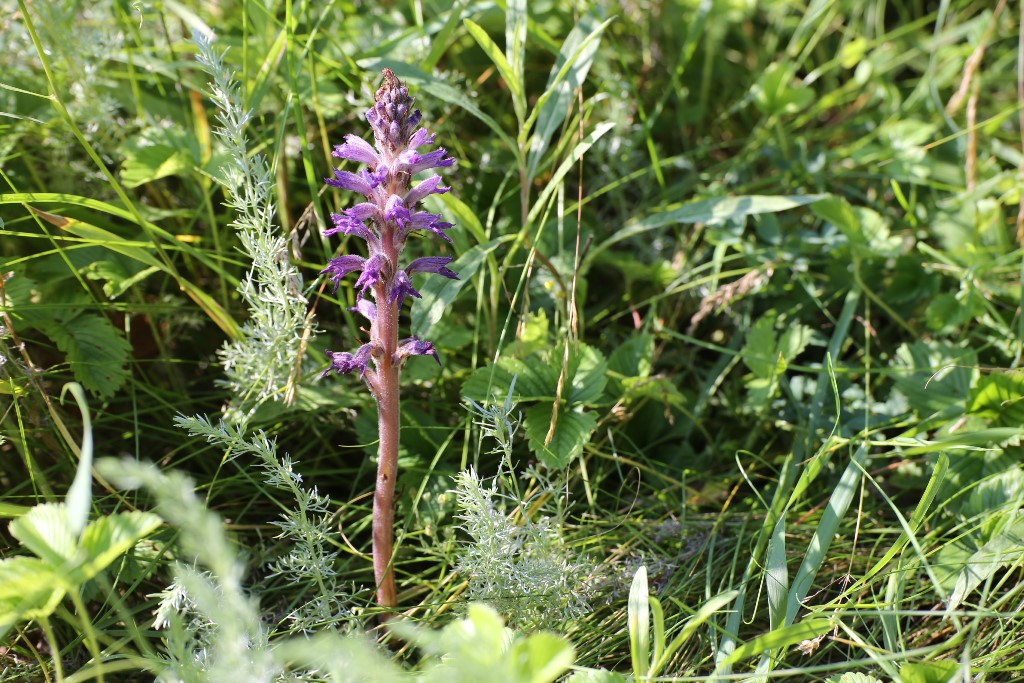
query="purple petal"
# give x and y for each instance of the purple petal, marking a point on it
(357, 149)
(362, 211)
(371, 276)
(366, 308)
(416, 347)
(395, 211)
(349, 226)
(433, 159)
(343, 362)
(421, 220)
(402, 288)
(351, 181)
(340, 266)
(421, 137)
(432, 264)
(425, 187)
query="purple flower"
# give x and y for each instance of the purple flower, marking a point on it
(340, 266)
(344, 362)
(432, 264)
(414, 346)
(402, 288)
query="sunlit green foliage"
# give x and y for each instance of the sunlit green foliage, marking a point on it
(736, 343)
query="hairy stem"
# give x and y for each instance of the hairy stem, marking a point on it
(388, 417)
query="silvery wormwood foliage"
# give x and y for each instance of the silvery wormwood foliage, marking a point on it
(309, 561)
(259, 365)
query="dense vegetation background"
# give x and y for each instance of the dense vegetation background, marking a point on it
(749, 271)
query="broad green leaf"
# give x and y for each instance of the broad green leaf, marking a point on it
(589, 372)
(760, 353)
(46, 532)
(542, 657)
(439, 292)
(999, 397)
(854, 678)
(639, 623)
(774, 95)
(935, 376)
(716, 209)
(143, 165)
(500, 62)
(536, 380)
(97, 353)
(30, 588)
(111, 536)
(929, 672)
(572, 432)
(634, 357)
(1006, 548)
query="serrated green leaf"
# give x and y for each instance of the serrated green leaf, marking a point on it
(29, 589)
(1000, 398)
(929, 672)
(760, 353)
(934, 376)
(107, 538)
(46, 532)
(96, 351)
(542, 657)
(536, 380)
(589, 372)
(1007, 547)
(572, 432)
(634, 357)
(852, 677)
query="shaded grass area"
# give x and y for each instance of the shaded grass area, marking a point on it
(782, 283)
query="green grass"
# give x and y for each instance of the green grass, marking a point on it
(765, 258)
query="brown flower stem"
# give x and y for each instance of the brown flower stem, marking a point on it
(388, 421)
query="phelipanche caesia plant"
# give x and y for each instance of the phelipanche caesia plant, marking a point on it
(385, 220)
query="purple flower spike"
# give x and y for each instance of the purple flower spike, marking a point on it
(343, 362)
(385, 219)
(414, 346)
